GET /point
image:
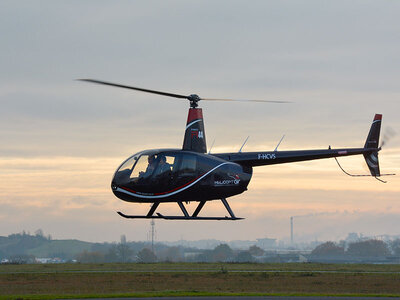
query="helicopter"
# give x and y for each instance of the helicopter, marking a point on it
(190, 173)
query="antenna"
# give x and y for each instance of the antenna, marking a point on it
(209, 152)
(240, 150)
(276, 148)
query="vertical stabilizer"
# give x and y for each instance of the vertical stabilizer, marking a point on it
(195, 138)
(372, 143)
(373, 136)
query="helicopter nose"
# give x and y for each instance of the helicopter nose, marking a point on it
(121, 178)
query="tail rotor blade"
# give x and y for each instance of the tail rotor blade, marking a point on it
(388, 135)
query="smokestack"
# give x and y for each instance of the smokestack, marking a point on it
(291, 230)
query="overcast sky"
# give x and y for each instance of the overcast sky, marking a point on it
(61, 139)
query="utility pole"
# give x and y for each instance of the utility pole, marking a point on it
(291, 231)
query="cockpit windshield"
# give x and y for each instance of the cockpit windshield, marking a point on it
(152, 164)
(143, 166)
(128, 165)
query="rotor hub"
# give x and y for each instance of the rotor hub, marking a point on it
(194, 99)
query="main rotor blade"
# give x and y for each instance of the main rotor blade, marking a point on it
(244, 100)
(194, 98)
(136, 88)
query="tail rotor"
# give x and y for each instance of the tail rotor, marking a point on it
(371, 149)
(389, 134)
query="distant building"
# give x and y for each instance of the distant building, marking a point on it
(266, 243)
(352, 237)
(43, 260)
(47, 260)
(191, 255)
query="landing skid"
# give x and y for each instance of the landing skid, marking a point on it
(186, 216)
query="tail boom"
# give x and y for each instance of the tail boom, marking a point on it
(254, 159)
(369, 151)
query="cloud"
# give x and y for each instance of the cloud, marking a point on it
(63, 139)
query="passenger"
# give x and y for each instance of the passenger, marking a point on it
(163, 166)
(150, 167)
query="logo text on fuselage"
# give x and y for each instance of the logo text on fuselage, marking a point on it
(266, 156)
(197, 133)
(234, 181)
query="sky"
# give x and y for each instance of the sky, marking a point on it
(62, 139)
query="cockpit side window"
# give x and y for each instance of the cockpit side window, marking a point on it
(188, 164)
(164, 164)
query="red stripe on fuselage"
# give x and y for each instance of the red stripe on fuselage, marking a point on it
(194, 114)
(175, 189)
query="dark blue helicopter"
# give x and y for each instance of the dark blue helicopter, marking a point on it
(190, 174)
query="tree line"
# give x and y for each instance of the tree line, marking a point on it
(123, 253)
(23, 248)
(367, 248)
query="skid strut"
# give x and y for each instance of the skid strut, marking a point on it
(186, 216)
(199, 207)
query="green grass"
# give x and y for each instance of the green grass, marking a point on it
(230, 267)
(119, 267)
(180, 294)
(54, 281)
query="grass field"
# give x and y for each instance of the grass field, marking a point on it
(91, 280)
